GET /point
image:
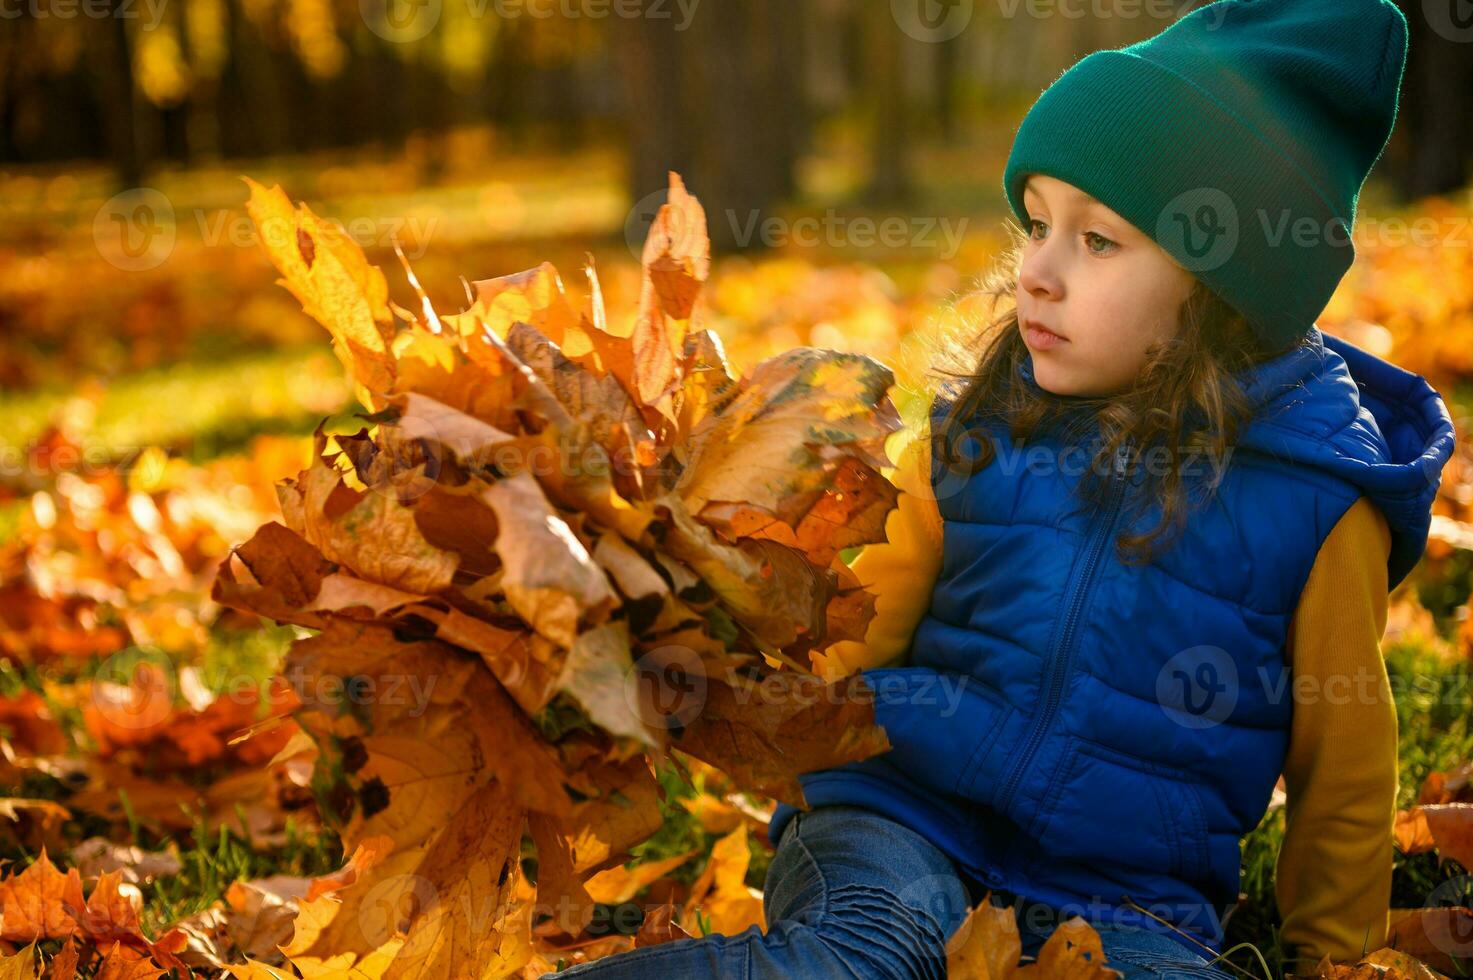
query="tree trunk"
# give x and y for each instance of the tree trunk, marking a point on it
(1435, 124)
(889, 175)
(719, 102)
(113, 76)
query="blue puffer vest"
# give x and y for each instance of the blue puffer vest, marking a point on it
(1076, 730)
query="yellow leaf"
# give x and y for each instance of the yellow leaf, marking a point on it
(327, 272)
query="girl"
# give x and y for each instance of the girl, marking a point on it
(1140, 563)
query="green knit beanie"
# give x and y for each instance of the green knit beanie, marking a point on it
(1238, 139)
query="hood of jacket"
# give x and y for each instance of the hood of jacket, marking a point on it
(1335, 407)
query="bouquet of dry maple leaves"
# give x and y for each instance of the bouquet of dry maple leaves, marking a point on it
(552, 554)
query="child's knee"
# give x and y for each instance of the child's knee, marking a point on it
(894, 935)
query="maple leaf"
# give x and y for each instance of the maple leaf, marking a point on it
(721, 893)
(20, 965)
(337, 287)
(40, 902)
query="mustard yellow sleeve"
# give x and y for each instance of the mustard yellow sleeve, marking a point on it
(901, 570)
(1333, 876)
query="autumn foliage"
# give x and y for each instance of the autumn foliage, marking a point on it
(577, 550)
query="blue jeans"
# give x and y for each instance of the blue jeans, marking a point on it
(851, 894)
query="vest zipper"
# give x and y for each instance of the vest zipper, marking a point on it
(1059, 659)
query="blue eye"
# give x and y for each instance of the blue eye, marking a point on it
(1031, 223)
(1111, 245)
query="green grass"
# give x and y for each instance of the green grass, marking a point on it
(211, 863)
(205, 409)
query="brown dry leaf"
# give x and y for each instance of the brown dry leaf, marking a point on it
(768, 588)
(1451, 826)
(597, 673)
(560, 892)
(1448, 787)
(471, 440)
(134, 713)
(262, 913)
(534, 297)
(659, 926)
(709, 385)
(1438, 937)
(1412, 833)
(986, 946)
(721, 894)
(256, 970)
(64, 964)
(716, 816)
(349, 966)
(326, 271)
(23, 964)
(772, 447)
(469, 873)
(336, 932)
(1073, 951)
(96, 855)
(764, 733)
(550, 579)
(257, 917)
(676, 260)
(1400, 962)
(113, 910)
(370, 852)
(40, 902)
(275, 574)
(33, 727)
(369, 531)
(126, 963)
(623, 809)
(615, 885)
(601, 401)
(528, 665)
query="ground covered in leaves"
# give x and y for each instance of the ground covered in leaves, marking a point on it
(173, 801)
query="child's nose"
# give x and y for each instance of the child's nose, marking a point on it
(1040, 276)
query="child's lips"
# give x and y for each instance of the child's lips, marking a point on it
(1039, 337)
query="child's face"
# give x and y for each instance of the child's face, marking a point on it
(1104, 288)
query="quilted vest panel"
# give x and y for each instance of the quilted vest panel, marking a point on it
(1130, 719)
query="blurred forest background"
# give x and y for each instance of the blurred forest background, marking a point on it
(155, 383)
(734, 95)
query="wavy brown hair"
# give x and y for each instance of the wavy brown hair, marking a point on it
(1183, 407)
